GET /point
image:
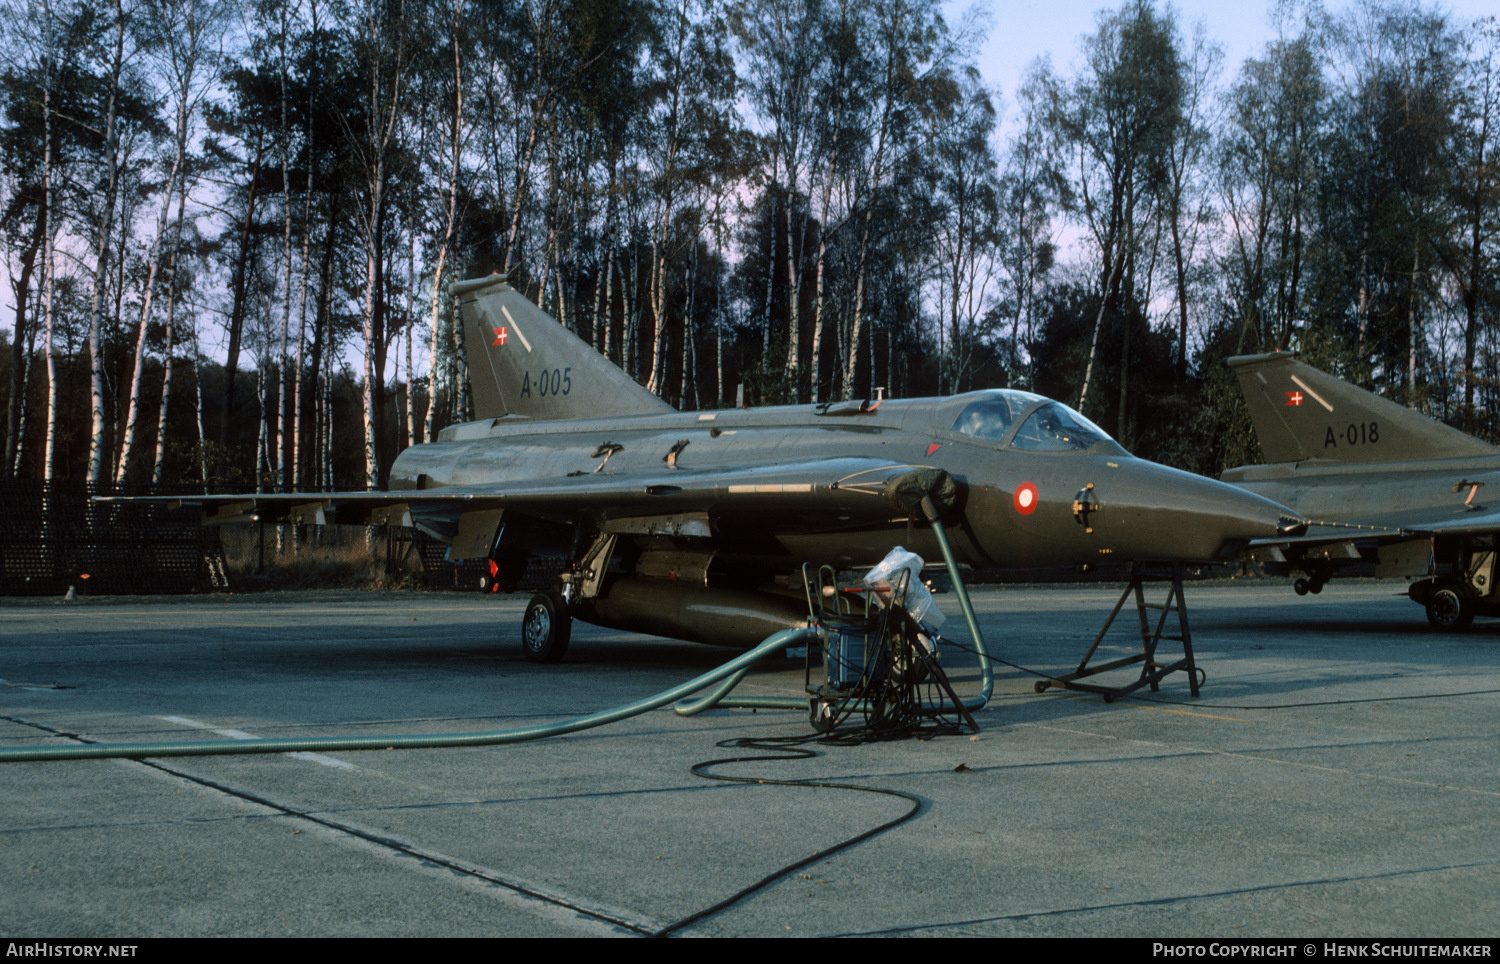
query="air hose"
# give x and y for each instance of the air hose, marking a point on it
(735, 669)
(986, 672)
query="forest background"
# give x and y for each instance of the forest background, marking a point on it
(228, 228)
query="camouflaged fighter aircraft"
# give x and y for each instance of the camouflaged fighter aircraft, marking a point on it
(1391, 484)
(694, 524)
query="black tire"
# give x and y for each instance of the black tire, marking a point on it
(1300, 587)
(546, 628)
(1450, 607)
(822, 714)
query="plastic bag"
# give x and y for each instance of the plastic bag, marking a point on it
(919, 602)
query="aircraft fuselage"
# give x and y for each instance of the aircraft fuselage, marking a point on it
(1017, 509)
(1376, 492)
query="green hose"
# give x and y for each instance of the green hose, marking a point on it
(986, 672)
(716, 698)
(735, 668)
(973, 703)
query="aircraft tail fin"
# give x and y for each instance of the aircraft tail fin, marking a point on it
(522, 362)
(1302, 413)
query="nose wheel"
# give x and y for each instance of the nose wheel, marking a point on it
(546, 628)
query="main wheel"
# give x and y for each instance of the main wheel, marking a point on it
(1450, 607)
(546, 628)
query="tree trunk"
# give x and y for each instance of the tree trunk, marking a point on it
(15, 406)
(48, 256)
(101, 259)
(166, 377)
(240, 298)
(127, 444)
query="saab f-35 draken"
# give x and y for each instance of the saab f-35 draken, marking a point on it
(1396, 487)
(694, 525)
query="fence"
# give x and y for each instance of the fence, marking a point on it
(53, 537)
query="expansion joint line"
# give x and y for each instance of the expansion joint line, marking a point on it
(383, 842)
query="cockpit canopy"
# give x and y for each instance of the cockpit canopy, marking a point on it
(1021, 420)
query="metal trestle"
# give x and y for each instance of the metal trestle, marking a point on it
(1152, 670)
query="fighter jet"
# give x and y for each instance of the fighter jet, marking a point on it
(694, 525)
(1390, 485)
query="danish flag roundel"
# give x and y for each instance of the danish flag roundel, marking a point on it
(1026, 498)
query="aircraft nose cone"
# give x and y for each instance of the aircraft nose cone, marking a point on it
(1156, 512)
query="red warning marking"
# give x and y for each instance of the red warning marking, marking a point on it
(500, 336)
(1026, 498)
(933, 447)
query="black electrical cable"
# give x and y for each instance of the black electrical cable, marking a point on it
(892, 704)
(898, 710)
(897, 695)
(785, 749)
(1291, 706)
(1233, 706)
(893, 699)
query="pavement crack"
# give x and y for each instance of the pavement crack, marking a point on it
(1167, 901)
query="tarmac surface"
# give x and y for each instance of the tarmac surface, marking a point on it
(1338, 777)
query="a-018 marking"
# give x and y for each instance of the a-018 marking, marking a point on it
(1363, 433)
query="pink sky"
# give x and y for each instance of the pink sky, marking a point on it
(1022, 30)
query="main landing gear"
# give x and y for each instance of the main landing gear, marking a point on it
(1450, 606)
(546, 628)
(1452, 601)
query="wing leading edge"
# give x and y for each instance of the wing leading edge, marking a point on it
(792, 497)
